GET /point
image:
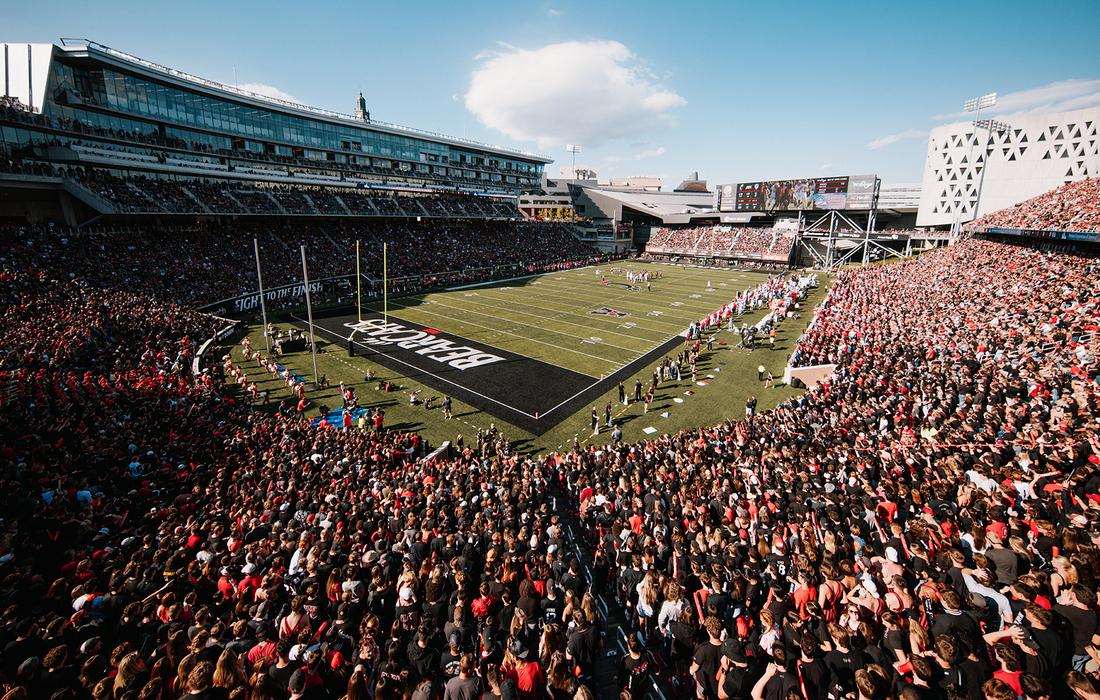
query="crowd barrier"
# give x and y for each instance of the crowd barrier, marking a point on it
(809, 376)
(223, 333)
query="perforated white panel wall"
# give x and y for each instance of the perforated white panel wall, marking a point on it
(1036, 154)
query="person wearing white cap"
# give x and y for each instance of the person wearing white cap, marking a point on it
(889, 564)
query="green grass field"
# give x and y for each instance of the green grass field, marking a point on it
(549, 318)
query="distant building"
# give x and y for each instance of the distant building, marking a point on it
(636, 183)
(583, 173)
(692, 184)
(552, 201)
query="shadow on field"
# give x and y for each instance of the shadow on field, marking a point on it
(406, 426)
(378, 404)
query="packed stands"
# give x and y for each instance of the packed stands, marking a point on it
(676, 237)
(924, 524)
(1071, 207)
(781, 244)
(752, 243)
(138, 194)
(199, 265)
(926, 519)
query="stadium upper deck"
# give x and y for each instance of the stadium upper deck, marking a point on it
(93, 106)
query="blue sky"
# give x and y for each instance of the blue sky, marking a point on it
(736, 90)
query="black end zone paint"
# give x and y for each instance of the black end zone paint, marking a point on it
(511, 387)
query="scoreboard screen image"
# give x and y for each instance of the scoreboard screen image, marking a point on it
(840, 192)
(776, 195)
(749, 196)
(831, 201)
(831, 185)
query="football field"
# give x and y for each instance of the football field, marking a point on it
(533, 351)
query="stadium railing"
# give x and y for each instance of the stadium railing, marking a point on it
(228, 326)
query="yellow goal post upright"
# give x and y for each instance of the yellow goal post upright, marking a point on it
(358, 285)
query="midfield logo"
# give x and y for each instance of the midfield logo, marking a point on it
(607, 311)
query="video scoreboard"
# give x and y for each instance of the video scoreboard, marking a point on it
(842, 192)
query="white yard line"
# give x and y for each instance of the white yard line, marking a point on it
(635, 313)
(514, 302)
(700, 307)
(528, 325)
(499, 330)
(639, 307)
(621, 410)
(553, 301)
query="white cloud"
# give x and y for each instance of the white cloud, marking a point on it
(1059, 96)
(586, 92)
(553, 12)
(826, 166)
(891, 139)
(640, 155)
(269, 91)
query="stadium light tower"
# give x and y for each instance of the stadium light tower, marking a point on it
(990, 125)
(979, 103)
(574, 149)
(976, 104)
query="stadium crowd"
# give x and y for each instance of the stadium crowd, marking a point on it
(753, 243)
(201, 265)
(1072, 207)
(923, 525)
(139, 194)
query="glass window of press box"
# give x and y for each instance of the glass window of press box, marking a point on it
(114, 91)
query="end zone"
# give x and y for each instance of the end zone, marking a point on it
(532, 395)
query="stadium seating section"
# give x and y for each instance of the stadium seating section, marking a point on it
(1071, 207)
(201, 265)
(726, 241)
(155, 515)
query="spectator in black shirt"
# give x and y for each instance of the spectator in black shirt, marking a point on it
(635, 671)
(736, 675)
(423, 659)
(812, 670)
(956, 622)
(1085, 621)
(842, 661)
(777, 680)
(584, 643)
(708, 656)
